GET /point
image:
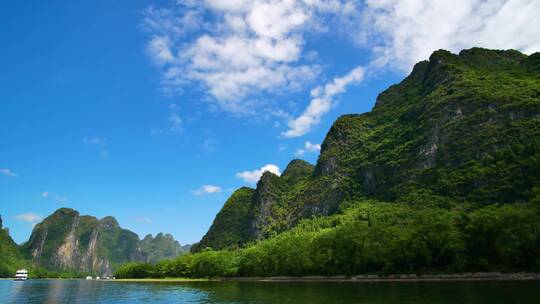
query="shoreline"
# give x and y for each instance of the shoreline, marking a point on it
(158, 280)
(458, 277)
(461, 277)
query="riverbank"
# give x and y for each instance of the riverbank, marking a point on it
(484, 276)
(164, 280)
(477, 276)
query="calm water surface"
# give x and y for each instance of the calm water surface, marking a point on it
(82, 291)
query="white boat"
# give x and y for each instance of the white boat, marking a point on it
(89, 278)
(21, 275)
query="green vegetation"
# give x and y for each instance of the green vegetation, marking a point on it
(250, 215)
(376, 237)
(162, 247)
(230, 228)
(460, 130)
(118, 245)
(10, 256)
(73, 245)
(67, 245)
(443, 175)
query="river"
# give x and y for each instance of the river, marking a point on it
(82, 291)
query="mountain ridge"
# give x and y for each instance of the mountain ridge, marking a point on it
(460, 129)
(66, 241)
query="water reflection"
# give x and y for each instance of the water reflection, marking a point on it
(82, 292)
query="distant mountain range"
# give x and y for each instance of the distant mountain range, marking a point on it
(67, 241)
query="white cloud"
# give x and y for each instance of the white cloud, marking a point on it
(244, 48)
(239, 50)
(8, 172)
(253, 176)
(403, 32)
(308, 147)
(207, 189)
(45, 194)
(321, 102)
(160, 50)
(29, 217)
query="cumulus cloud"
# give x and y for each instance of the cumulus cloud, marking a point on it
(241, 49)
(206, 189)
(29, 217)
(8, 172)
(253, 177)
(402, 32)
(309, 148)
(321, 102)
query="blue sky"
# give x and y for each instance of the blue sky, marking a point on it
(155, 111)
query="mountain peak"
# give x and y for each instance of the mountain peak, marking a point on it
(296, 170)
(109, 222)
(450, 129)
(65, 212)
(297, 166)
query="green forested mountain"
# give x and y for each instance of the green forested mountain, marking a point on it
(161, 247)
(67, 241)
(443, 175)
(460, 130)
(10, 256)
(68, 244)
(250, 215)
(230, 227)
(461, 127)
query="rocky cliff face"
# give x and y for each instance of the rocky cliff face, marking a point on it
(66, 240)
(463, 128)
